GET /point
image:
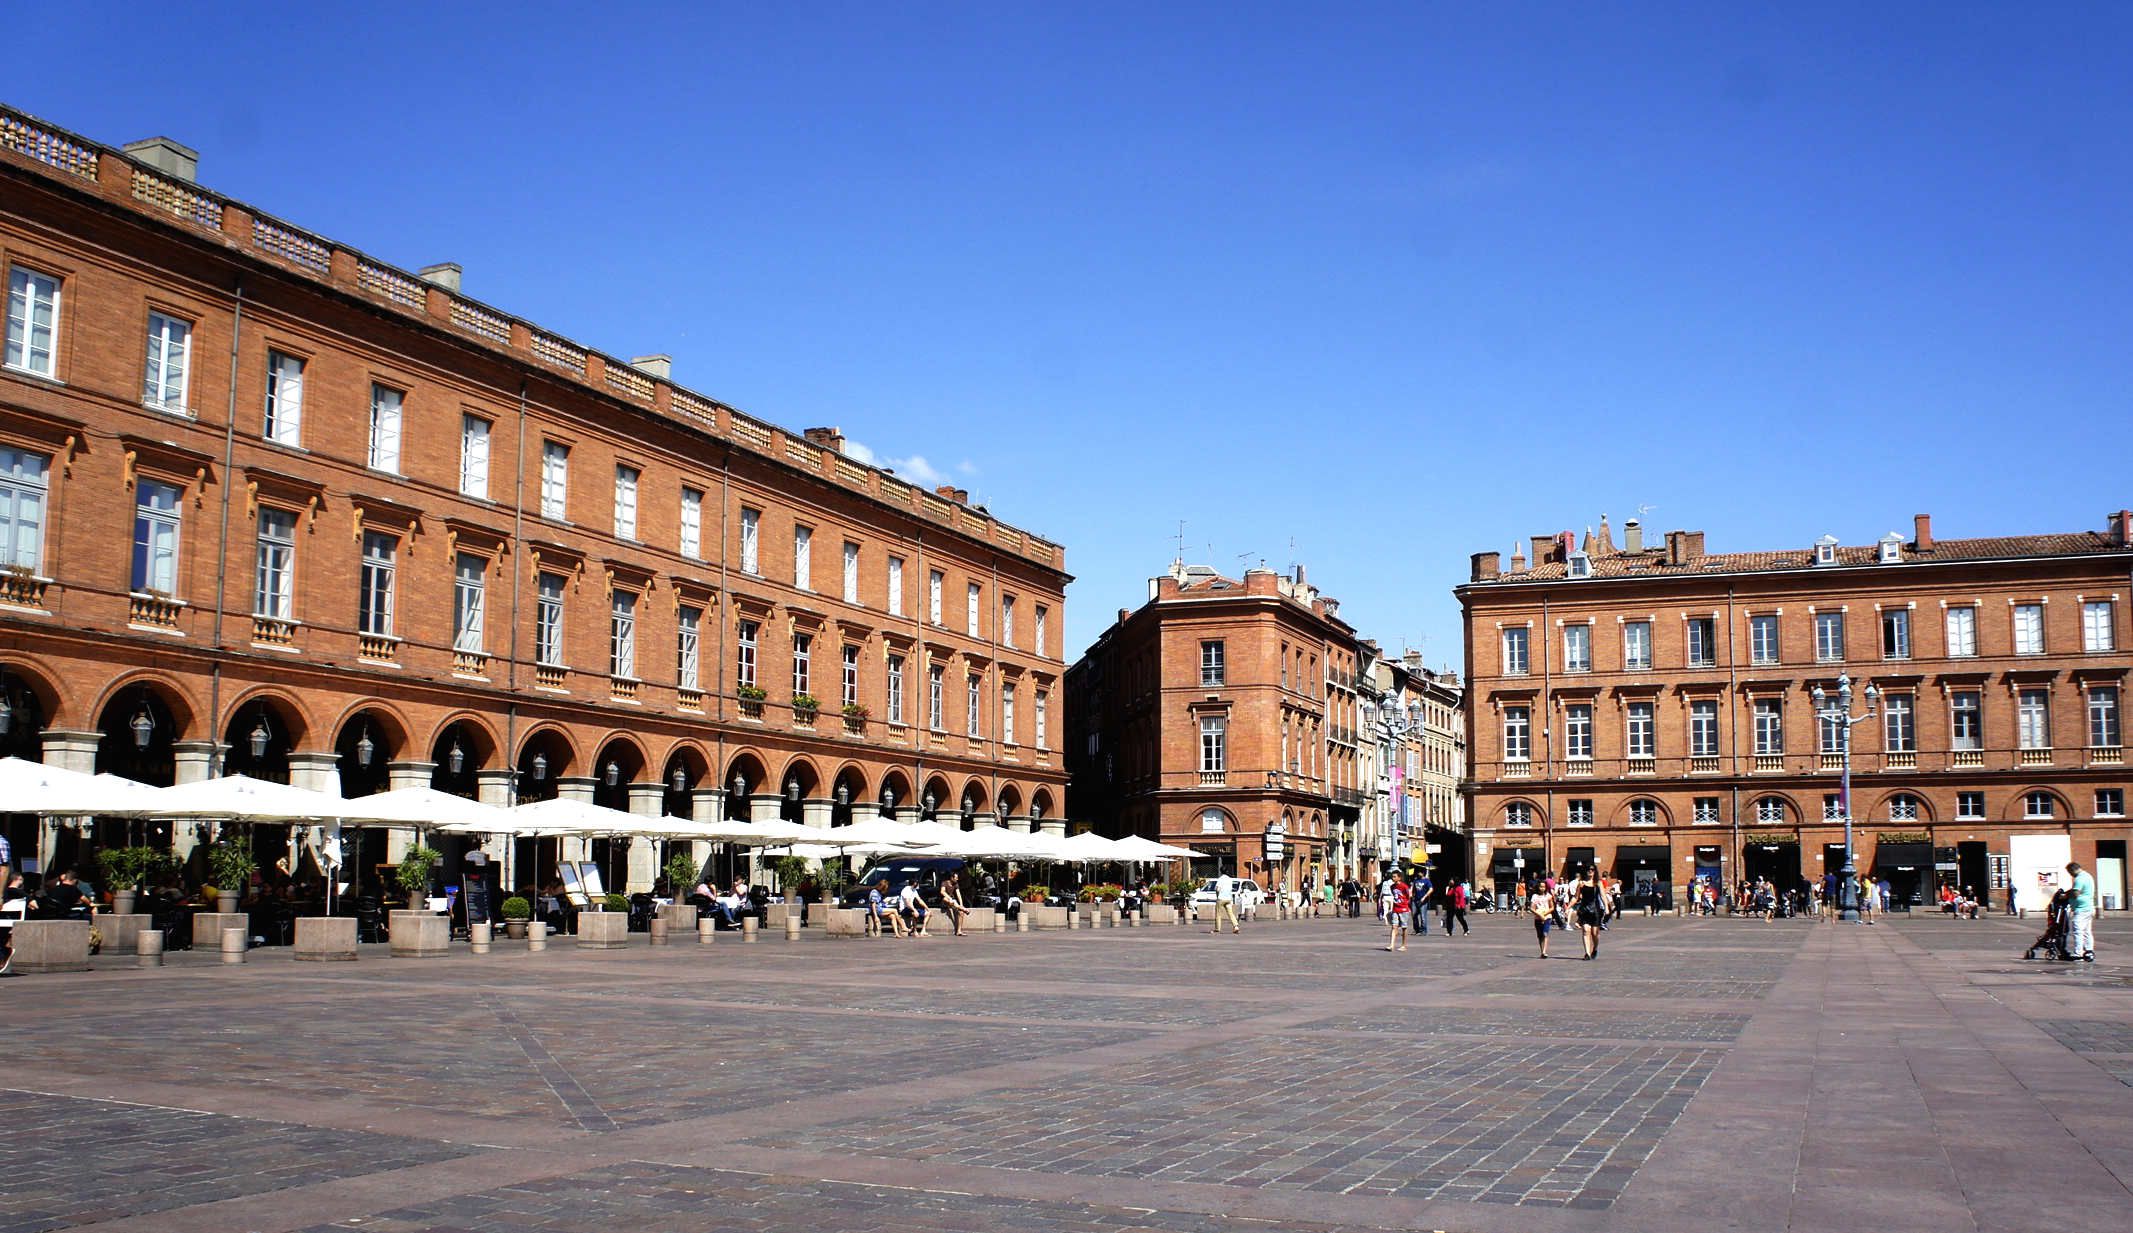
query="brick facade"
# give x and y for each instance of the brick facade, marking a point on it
(1931, 624)
(88, 643)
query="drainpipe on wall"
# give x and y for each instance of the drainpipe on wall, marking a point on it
(229, 457)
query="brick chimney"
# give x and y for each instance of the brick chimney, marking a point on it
(1488, 566)
(2122, 528)
(179, 162)
(961, 496)
(1921, 532)
(1684, 547)
(832, 438)
(1543, 550)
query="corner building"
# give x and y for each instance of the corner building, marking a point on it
(277, 507)
(1220, 710)
(1650, 709)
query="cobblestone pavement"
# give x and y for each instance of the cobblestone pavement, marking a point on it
(1706, 1075)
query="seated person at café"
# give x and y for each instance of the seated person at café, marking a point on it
(879, 912)
(912, 907)
(65, 899)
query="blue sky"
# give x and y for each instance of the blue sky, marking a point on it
(1393, 284)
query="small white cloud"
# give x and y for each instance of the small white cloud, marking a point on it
(860, 454)
(914, 468)
(966, 468)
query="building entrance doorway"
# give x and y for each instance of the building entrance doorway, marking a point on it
(1779, 862)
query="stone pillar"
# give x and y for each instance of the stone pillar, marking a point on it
(816, 813)
(493, 787)
(191, 760)
(909, 815)
(576, 788)
(766, 807)
(409, 774)
(316, 771)
(1019, 823)
(1051, 826)
(71, 751)
(646, 800)
(707, 805)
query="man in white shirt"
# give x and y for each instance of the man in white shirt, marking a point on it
(913, 909)
(1226, 903)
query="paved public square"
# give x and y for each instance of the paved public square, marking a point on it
(1704, 1074)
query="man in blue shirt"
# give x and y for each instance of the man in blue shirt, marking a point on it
(2081, 934)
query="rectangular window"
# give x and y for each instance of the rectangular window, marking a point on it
(751, 524)
(1644, 813)
(803, 559)
(1042, 640)
(1966, 720)
(1962, 632)
(933, 596)
(1970, 806)
(1517, 734)
(2103, 717)
(688, 648)
(744, 653)
(1770, 811)
(1639, 739)
(1043, 734)
(1214, 745)
(285, 399)
(1896, 633)
(851, 572)
(32, 320)
(155, 537)
(1517, 815)
(803, 656)
(1829, 637)
(1007, 714)
(1636, 645)
(848, 678)
(23, 488)
(2033, 719)
(1213, 671)
(274, 575)
(896, 586)
(2029, 629)
(385, 404)
(935, 682)
(625, 502)
(1832, 807)
(1702, 636)
(1769, 726)
(622, 636)
(2098, 632)
(1762, 640)
(1577, 648)
(971, 598)
(1903, 809)
(2110, 802)
(548, 622)
(1578, 812)
(469, 575)
(896, 689)
(474, 456)
(972, 714)
(2038, 805)
(555, 480)
(692, 524)
(1007, 621)
(1577, 730)
(1830, 733)
(169, 349)
(1516, 658)
(376, 585)
(1704, 811)
(1899, 724)
(1703, 728)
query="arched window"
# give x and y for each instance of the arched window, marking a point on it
(1644, 813)
(1213, 821)
(1770, 811)
(1518, 813)
(1903, 808)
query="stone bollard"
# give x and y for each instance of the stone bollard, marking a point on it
(748, 929)
(1074, 919)
(999, 923)
(657, 927)
(706, 930)
(148, 948)
(536, 935)
(1133, 919)
(479, 935)
(1022, 921)
(792, 927)
(234, 942)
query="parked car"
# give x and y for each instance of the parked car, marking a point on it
(927, 871)
(1248, 894)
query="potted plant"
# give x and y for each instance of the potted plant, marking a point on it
(681, 873)
(516, 913)
(856, 710)
(617, 902)
(413, 875)
(750, 693)
(807, 704)
(231, 865)
(127, 871)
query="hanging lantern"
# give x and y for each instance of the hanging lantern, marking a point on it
(144, 726)
(540, 767)
(7, 714)
(259, 739)
(455, 759)
(792, 787)
(613, 774)
(680, 779)
(740, 784)
(844, 794)
(364, 749)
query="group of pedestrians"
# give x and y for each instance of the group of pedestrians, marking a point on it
(1404, 902)
(1587, 901)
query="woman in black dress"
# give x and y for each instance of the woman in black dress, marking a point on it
(1590, 904)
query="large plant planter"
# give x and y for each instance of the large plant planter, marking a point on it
(776, 914)
(122, 931)
(326, 939)
(1045, 917)
(1162, 914)
(603, 930)
(845, 922)
(680, 918)
(420, 935)
(52, 946)
(515, 930)
(208, 927)
(980, 920)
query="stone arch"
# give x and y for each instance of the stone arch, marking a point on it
(182, 708)
(1229, 819)
(1794, 816)
(281, 705)
(973, 800)
(800, 772)
(1040, 805)
(366, 741)
(393, 733)
(694, 762)
(1621, 814)
(937, 788)
(1535, 810)
(262, 728)
(552, 738)
(749, 765)
(895, 782)
(54, 705)
(478, 740)
(626, 753)
(1879, 811)
(2017, 807)
(1010, 801)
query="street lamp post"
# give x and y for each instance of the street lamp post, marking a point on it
(1840, 714)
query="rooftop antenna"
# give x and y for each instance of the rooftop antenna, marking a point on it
(1181, 541)
(1642, 510)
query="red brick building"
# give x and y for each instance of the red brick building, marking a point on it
(274, 502)
(1217, 710)
(1650, 709)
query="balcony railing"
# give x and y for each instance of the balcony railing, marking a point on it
(1214, 779)
(1967, 757)
(1642, 766)
(689, 698)
(2036, 757)
(1769, 763)
(855, 725)
(1827, 762)
(470, 663)
(622, 688)
(550, 676)
(804, 716)
(379, 648)
(273, 631)
(22, 590)
(153, 611)
(2106, 755)
(1519, 769)
(1704, 764)
(750, 708)
(1899, 760)
(1577, 766)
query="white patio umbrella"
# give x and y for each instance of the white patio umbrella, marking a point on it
(877, 833)
(424, 808)
(241, 798)
(35, 787)
(1135, 848)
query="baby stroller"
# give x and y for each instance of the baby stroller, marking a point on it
(2053, 940)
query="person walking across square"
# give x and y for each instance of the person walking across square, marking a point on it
(1226, 903)
(2081, 929)
(1455, 908)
